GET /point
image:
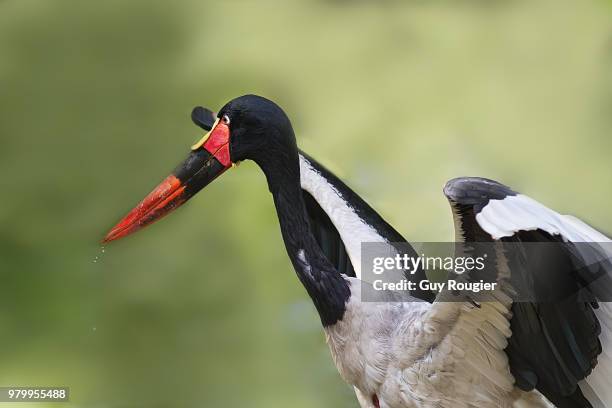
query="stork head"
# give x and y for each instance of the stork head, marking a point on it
(246, 128)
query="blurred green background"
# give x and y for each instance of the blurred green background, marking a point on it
(203, 309)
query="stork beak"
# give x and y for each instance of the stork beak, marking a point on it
(209, 159)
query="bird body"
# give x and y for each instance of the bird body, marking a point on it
(414, 354)
(462, 361)
(406, 354)
(428, 350)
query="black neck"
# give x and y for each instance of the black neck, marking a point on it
(327, 288)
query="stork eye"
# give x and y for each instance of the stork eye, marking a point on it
(226, 119)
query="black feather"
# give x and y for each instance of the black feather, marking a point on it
(202, 117)
(555, 340)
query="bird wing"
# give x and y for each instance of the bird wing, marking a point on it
(341, 221)
(327, 236)
(555, 345)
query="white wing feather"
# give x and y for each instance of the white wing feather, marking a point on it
(503, 218)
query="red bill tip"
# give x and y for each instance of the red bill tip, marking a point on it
(161, 201)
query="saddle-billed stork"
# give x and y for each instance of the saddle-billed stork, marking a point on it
(424, 353)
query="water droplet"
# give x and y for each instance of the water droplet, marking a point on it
(99, 256)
